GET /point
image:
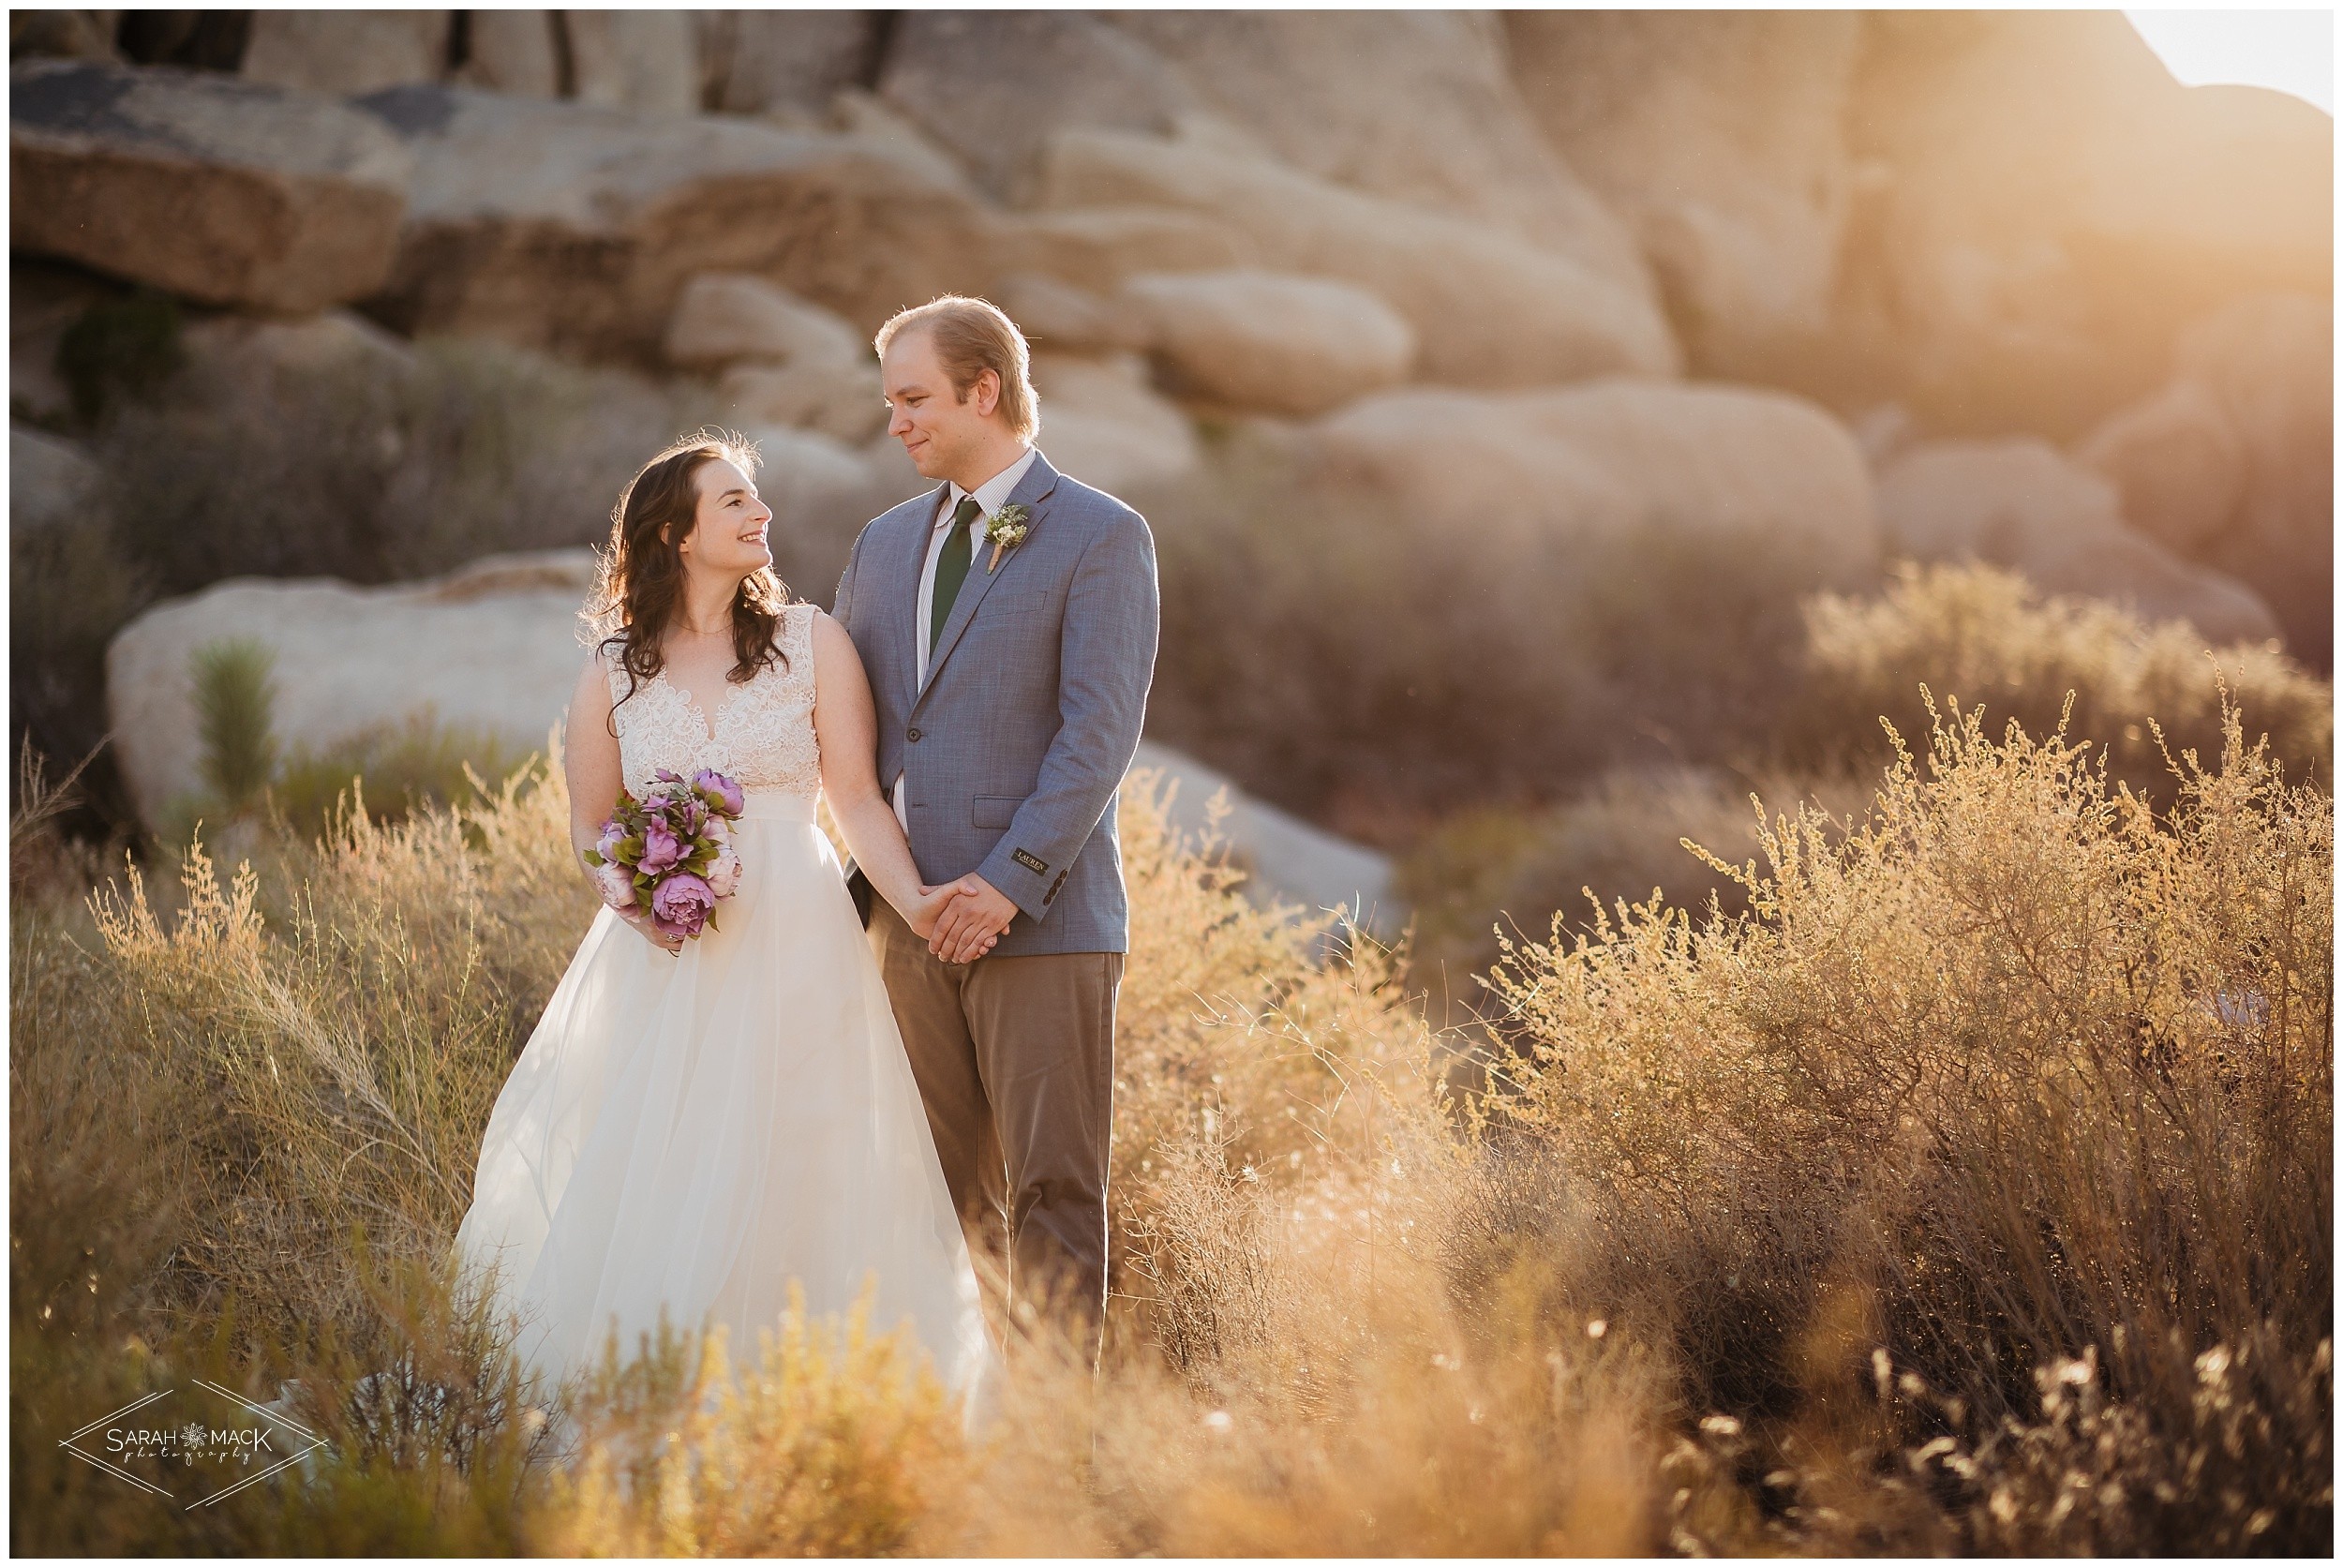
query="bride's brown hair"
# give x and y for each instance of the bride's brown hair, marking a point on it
(639, 592)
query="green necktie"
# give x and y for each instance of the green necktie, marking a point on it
(952, 569)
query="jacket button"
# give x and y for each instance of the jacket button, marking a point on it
(912, 734)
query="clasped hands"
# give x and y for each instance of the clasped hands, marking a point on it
(962, 921)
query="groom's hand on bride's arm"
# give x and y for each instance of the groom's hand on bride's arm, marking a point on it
(972, 922)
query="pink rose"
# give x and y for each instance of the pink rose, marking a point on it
(724, 873)
(721, 790)
(660, 848)
(615, 884)
(680, 905)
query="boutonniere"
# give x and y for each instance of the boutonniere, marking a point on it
(1006, 529)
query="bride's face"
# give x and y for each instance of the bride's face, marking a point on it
(729, 535)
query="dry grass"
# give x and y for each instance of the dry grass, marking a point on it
(2020, 1075)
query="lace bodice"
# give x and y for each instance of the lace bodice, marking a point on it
(764, 729)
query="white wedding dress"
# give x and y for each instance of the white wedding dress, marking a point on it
(697, 1131)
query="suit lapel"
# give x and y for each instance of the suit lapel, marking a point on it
(1032, 492)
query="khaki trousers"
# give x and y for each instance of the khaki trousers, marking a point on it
(1015, 1060)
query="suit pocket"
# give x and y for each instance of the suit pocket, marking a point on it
(995, 811)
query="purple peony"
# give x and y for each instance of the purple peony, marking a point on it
(615, 886)
(613, 835)
(680, 905)
(720, 788)
(724, 873)
(660, 848)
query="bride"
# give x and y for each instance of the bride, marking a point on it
(696, 1125)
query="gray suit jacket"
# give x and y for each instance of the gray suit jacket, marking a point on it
(1014, 751)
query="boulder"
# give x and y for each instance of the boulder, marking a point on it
(1413, 105)
(1057, 317)
(839, 400)
(725, 318)
(2268, 361)
(2049, 206)
(282, 362)
(1102, 422)
(805, 469)
(1098, 247)
(646, 61)
(1717, 135)
(1611, 458)
(2020, 503)
(343, 52)
(494, 647)
(53, 484)
(2231, 464)
(2178, 464)
(858, 112)
(1489, 309)
(206, 186)
(512, 51)
(756, 62)
(44, 300)
(1261, 340)
(950, 73)
(567, 227)
(1285, 860)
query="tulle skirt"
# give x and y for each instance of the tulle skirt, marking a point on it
(696, 1132)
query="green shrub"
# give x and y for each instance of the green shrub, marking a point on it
(235, 704)
(117, 348)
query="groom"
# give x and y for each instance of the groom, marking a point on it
(1007, 621)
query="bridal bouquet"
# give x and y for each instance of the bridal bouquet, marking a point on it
(670, 853)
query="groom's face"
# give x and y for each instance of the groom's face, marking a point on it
(941, 434)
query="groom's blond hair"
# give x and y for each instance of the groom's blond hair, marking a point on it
(971, 337)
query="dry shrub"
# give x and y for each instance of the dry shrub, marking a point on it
(1982, 635)
(1976, 633)
(835, 1441)
(2016, 1071)
(1234, 1048)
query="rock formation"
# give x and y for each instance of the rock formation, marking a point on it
(203, 184)
(2020, 503)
